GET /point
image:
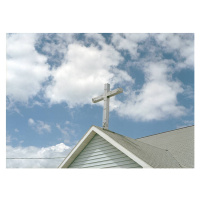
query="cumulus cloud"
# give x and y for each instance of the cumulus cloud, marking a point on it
(84, 66)
(67, 130)
(39, 126)
(86, 69)
(94, 38)
(59, 150)
(26, 68)
(157, 98)
(54, 46)
(84, 73)
(129, 42)
(188, 92)
(181, 45)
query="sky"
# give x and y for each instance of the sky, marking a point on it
(52, 78)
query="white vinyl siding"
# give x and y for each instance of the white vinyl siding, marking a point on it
(101, 154)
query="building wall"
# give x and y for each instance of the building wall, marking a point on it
(101, 154)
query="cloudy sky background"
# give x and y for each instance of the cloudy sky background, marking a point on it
(51, 79)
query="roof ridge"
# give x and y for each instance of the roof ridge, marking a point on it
(147, 144)
(164, 132)
(175, 158)
(152, 146)
(111, 131)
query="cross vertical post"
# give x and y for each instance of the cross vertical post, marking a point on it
(106, 106)
(106, 97)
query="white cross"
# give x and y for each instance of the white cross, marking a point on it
(107, 94)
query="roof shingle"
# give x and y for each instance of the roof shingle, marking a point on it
(173, 149)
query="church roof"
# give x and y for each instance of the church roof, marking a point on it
(179, 142)
(172, 149)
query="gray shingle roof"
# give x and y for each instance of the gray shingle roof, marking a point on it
(179, 142)
(173, 149)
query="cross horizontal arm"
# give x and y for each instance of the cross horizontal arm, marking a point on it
(97, 99)
(114, 92)
(109, 94)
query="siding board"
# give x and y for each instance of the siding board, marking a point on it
(104, 146)
(104, 160)
(99, 151)
(126, 166)
(112, 165)
(101, 154)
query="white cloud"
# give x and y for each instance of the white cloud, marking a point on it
(59, 150)
(39, 126)
(26, 68)
(157, 99)
(84, 73)
(182, 43)
(11, 106)
(8, 139)
(62, 130)
(37, 103)
(188, 92)
(16, 130)
(129, 42)
(58, 43)
(87, 64)
(94, 38)
(86, 69)
(31, 121)
(186, 123)
(67, 130)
